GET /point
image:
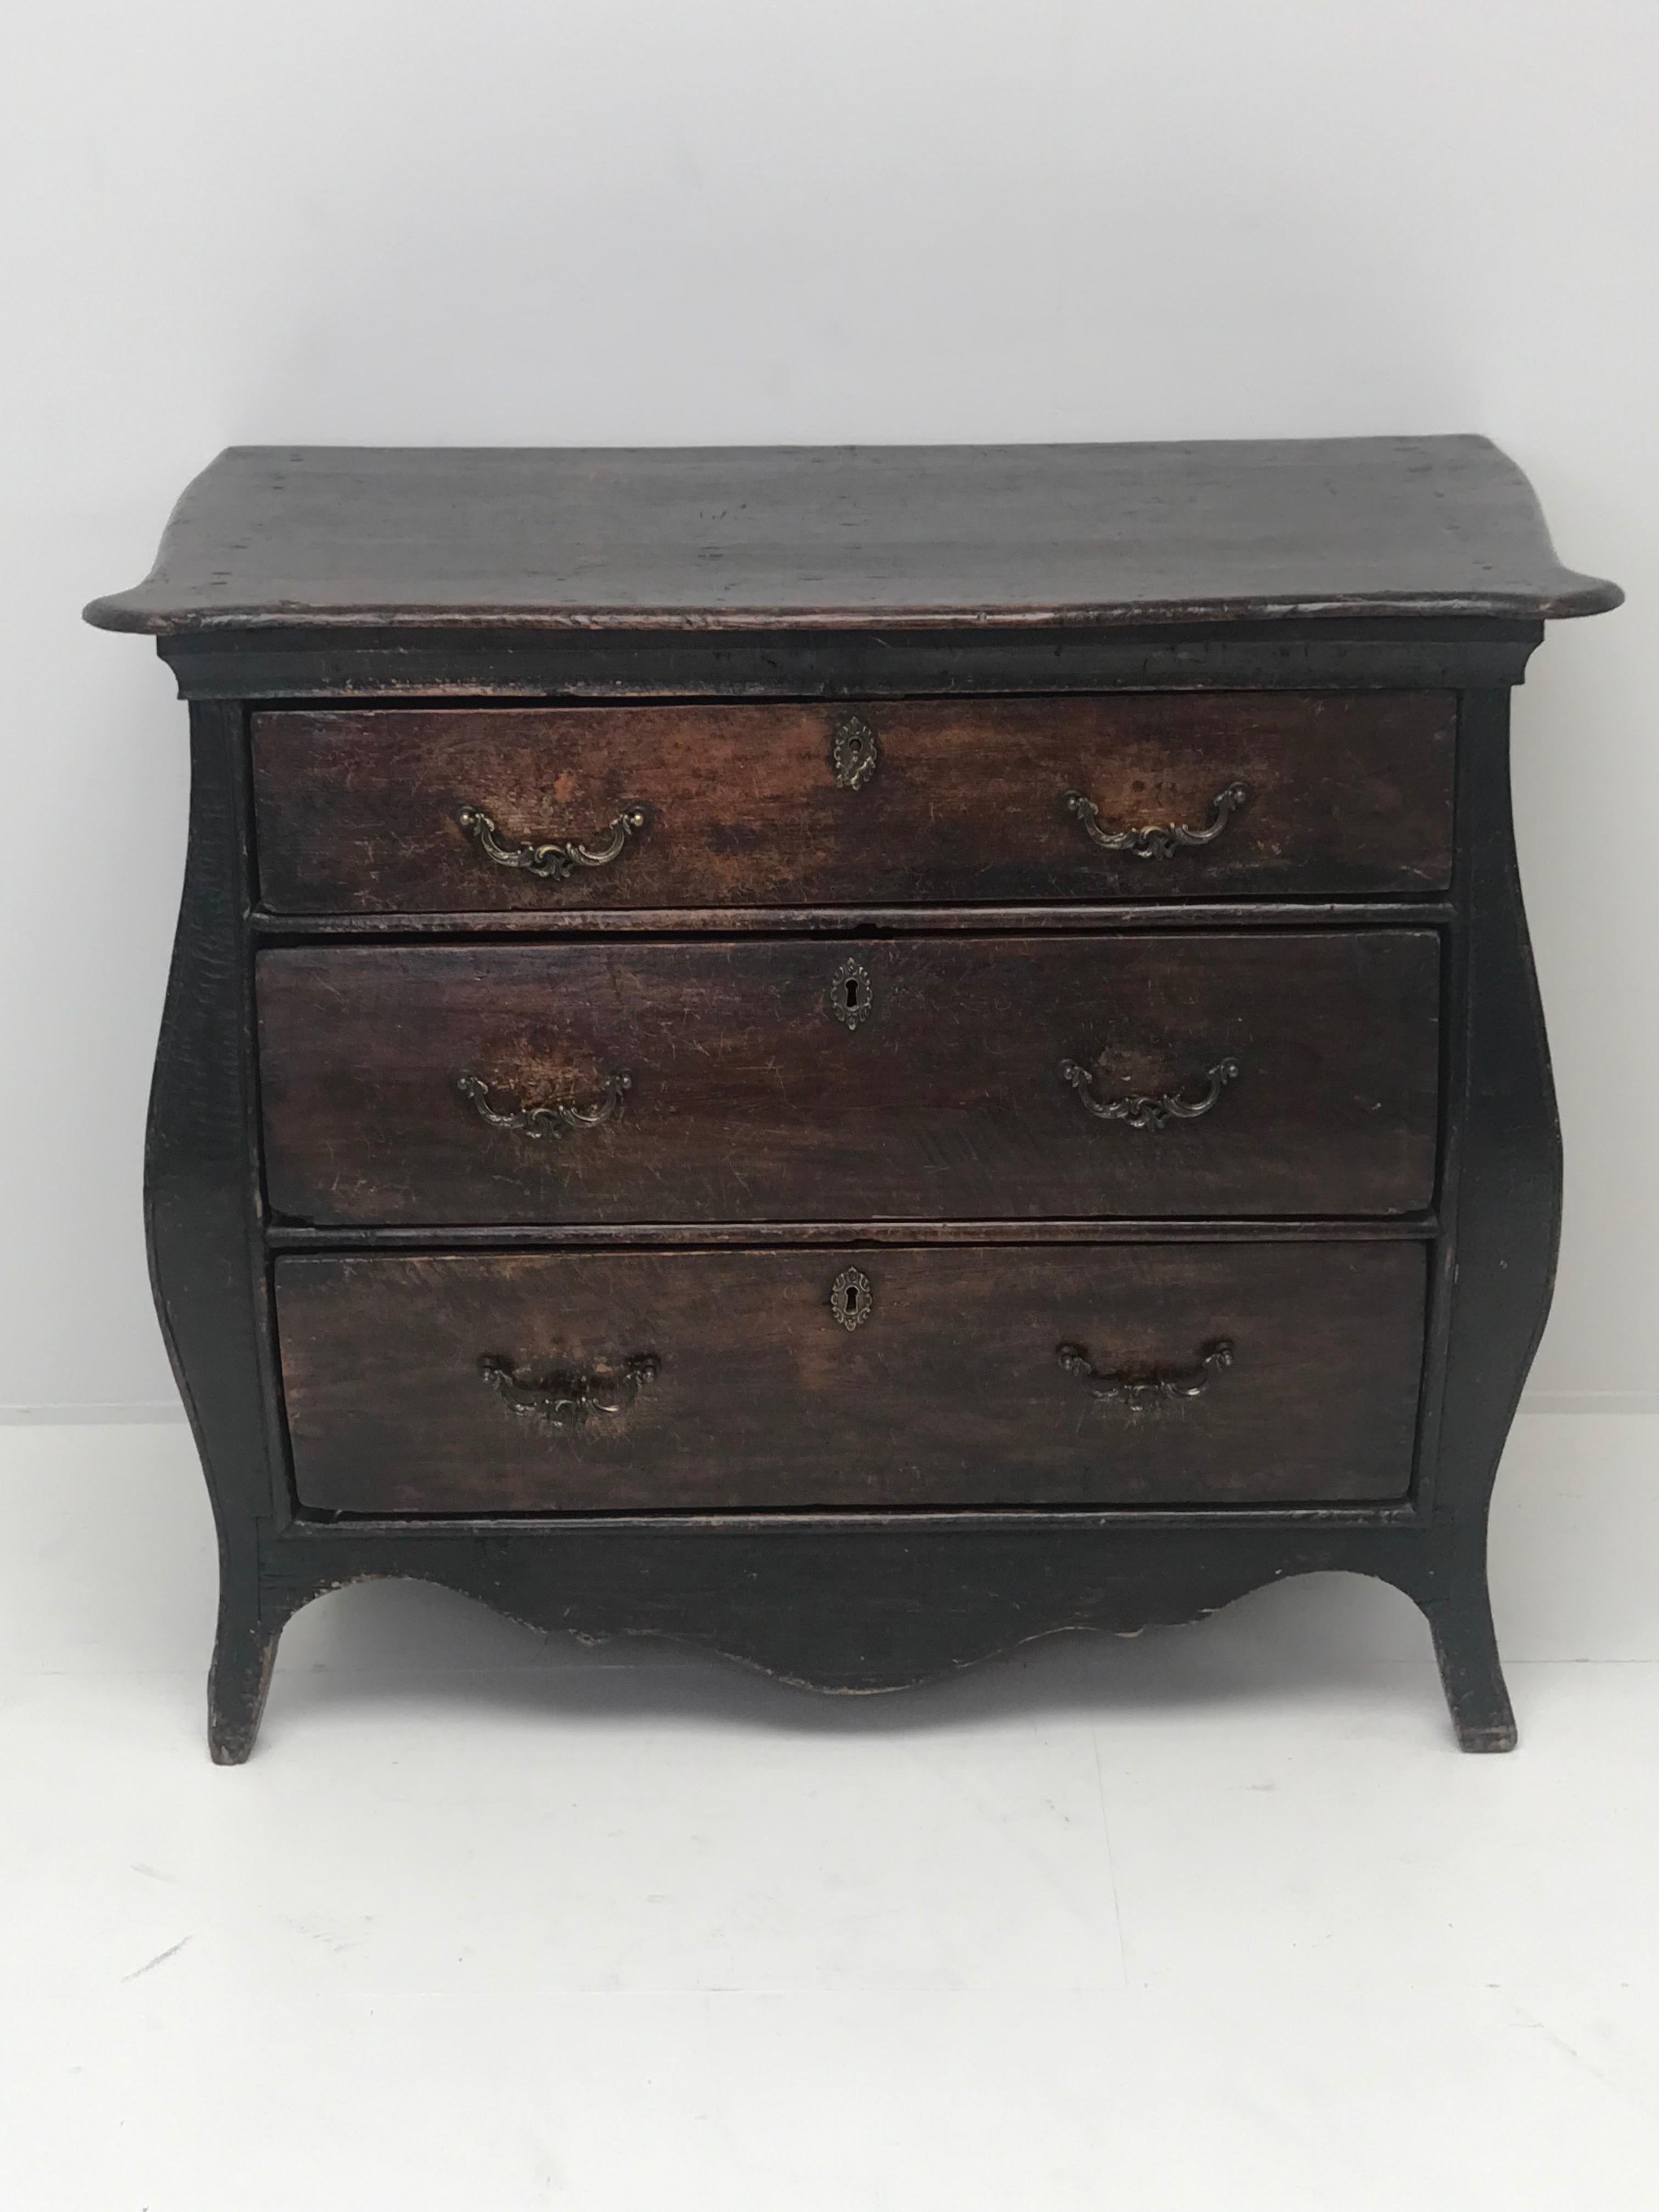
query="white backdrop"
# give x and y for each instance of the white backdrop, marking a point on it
(749, 221)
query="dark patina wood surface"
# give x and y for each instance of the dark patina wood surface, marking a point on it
(832, 537)
(950, 1394)
(963, 801)
(747, 1100)
(1357, 571)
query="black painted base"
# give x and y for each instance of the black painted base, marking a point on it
(244, 1653)
(1467, 1648)
(862, 1607)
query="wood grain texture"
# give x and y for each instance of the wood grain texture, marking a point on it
(949, 1394)
(361, 812)
(446, 580)
(839, 537)
(705, 1235)
(1076, 917)
(749, 1101)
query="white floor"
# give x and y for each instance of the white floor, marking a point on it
(1218, 1917)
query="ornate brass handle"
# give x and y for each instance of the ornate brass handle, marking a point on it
(1141, 1389)
(1145, 1113)
(546, 1121)
(551, 863)
(1162, 842)
(569, 1398)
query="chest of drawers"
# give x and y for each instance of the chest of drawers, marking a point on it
(853, 1055)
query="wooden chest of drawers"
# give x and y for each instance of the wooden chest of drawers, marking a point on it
(855, 1056)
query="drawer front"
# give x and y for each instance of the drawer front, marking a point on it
(790, 1079)
(484, 810)
(725, 1382)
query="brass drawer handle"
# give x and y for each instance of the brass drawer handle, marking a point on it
(1161, 842)
(1141, 1390)
(551, 863)
(569, 1398)
(546, 1121)
(1144, 1113)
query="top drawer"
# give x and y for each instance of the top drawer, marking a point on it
(482, 810)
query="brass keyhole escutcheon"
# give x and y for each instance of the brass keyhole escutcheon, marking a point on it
(851, 1298)
(855, 753)
(851, 995)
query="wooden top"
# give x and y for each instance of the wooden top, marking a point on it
(849, 537)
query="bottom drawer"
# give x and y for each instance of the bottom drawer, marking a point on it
(787, 1380)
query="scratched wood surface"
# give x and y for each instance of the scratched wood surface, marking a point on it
(750, 1100)
(951, 1393)
(965, 537)
(361, 812)
(1328, 578)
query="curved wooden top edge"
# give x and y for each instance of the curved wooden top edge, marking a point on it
(248, 495)
(126, 612)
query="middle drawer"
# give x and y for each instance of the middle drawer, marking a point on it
(800, 1080)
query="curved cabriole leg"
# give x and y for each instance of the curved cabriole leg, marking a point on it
(1506, 1202)
(244, 1653)
(1466, 1645)
(202, 1223)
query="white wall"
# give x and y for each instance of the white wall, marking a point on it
(575, 221)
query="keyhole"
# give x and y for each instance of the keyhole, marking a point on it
(849, 996)
(852, 1301)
